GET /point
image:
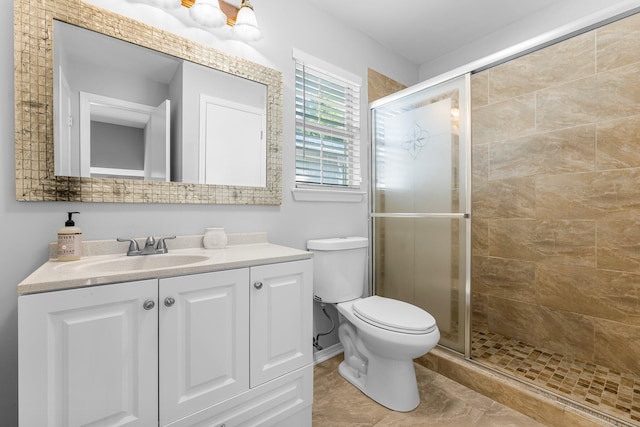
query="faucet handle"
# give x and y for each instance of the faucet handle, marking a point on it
(162, 246)
(133, 245)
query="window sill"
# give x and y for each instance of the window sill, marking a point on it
(315, 195)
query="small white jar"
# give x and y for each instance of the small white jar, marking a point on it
(214, 238)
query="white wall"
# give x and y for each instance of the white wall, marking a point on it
(117, 146)
(28, 227)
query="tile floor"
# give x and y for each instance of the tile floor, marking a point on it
(607, 390)
(443, 403)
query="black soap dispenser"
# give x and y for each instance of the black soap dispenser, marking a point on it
(69, 240)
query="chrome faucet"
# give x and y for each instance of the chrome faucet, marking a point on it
(150, 247)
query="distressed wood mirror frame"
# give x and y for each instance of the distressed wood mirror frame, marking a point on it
(34, 147)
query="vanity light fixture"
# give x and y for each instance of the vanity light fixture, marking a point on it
(246, 26)
(211, 14)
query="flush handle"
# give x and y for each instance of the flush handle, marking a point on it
(169, 301)
(257, 285)
(148, 304)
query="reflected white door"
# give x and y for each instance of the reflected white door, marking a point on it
(232, 143)
(157, 144)
(66, 163)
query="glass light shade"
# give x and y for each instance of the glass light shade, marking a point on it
(207, 13)
(246, 26)
(166, 4)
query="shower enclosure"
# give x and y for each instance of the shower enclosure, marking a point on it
(420, 201)
(555, 283)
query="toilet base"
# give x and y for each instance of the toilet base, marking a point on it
(391, 383)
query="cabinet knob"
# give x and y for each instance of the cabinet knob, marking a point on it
(169, 301)
(148, 304)
(257, 285)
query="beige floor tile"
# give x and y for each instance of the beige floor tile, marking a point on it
(443, 403)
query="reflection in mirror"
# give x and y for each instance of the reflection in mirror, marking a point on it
(220, 128)
(121, 139)
(124, 111)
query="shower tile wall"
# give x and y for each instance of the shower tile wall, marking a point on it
(556, 197)
(379, 85)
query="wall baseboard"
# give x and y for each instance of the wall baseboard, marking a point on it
(327, 353)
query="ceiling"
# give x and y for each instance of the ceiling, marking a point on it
(422, 30)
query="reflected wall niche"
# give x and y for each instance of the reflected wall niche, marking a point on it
(35, 177)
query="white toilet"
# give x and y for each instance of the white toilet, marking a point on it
(380, 336)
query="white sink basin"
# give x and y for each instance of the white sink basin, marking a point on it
(124, 264)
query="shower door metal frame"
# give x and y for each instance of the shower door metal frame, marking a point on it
(462, 215)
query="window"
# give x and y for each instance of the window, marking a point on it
(327, 126)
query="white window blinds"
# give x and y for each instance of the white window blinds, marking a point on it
(327, 128)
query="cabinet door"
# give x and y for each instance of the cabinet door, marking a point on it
(204, 341)
(281, 316)
(89, 356)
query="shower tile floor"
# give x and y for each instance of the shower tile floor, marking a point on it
(606, 390)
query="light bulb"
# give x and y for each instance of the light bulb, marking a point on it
(246, 26)
(207, 13)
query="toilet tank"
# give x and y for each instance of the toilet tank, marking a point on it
(339, 266)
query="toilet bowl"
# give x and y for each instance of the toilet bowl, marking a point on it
(378, 357)
(380, 336)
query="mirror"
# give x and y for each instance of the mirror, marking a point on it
(141, 116)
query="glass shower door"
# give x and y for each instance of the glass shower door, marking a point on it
(420, 204)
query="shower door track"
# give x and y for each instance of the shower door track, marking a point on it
(419, 215)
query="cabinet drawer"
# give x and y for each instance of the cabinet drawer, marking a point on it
(270, 404)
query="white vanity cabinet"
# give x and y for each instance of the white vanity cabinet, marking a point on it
(281, 319)
(89, 356)
(208, 349)
(256, 337)
(204, 341)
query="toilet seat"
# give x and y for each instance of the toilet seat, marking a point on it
(394, 315)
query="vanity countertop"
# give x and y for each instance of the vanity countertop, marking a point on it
(100, 265)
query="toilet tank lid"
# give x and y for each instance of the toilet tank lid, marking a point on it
(338, 243)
